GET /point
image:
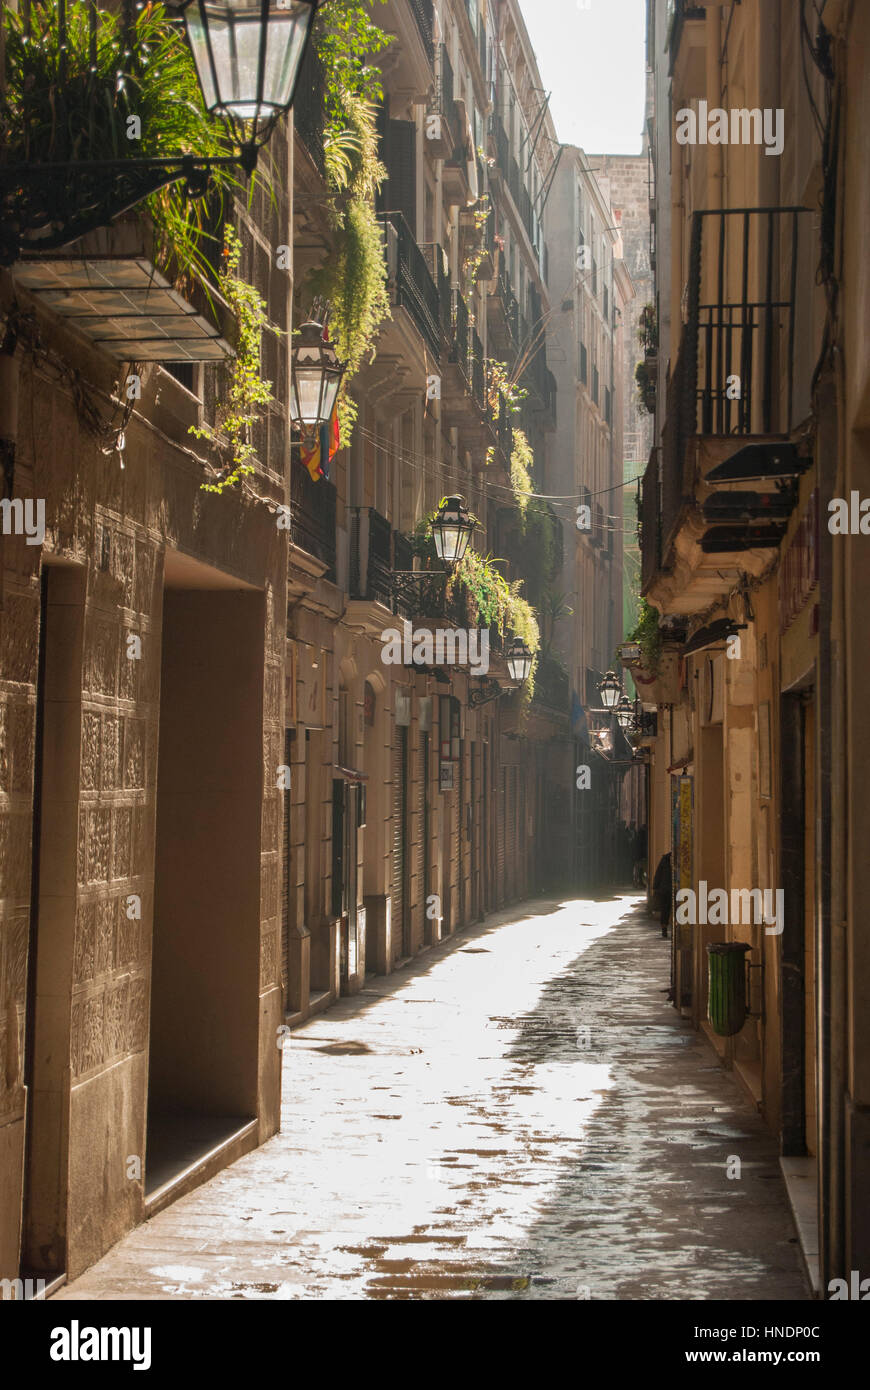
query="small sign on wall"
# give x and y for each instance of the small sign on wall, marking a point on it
(446, 776)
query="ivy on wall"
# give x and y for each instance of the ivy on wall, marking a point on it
(354, 276)
(247, 393)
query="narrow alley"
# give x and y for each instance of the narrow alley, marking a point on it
(518, 1113)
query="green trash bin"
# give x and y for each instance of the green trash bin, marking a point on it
(726, 993)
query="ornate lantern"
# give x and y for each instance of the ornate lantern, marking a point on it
(452, 530)
(315, 376)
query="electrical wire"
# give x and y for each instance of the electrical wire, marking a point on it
(432, 463)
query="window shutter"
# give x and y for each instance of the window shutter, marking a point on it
(401, 171)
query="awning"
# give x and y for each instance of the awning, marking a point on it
(754, 461)
(713, 633)
(724, 540)
(350, 774)
(747, 507)
(123, 305)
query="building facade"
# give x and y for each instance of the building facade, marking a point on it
(417, 801)
(759, 415)
(141, 691)
(595, 291)
(221, 805)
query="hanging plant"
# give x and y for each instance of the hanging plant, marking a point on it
(648, 331)
(247, 393)
(646, 632)
(646, 387)
(522, 462)
(354, 277)
(84, 114)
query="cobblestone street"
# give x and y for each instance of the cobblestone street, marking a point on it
(518, 1113)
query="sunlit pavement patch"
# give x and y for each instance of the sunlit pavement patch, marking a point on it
(517, 1115)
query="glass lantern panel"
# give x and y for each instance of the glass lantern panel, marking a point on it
(288, 25)
(307, 392)
(330, 391)
(199, 49)
(450, 538)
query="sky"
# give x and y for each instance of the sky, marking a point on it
(591, 55)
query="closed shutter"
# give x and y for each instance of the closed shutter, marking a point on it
(419, 849)
(511, 837)
(285, 877)
(397, 890)
(522, 837)
(424, 835)
(401, 171)
(474, 908)
(460, 838)
(501, 816)
(338, 848)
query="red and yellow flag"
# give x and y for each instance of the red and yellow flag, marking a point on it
(318, 455)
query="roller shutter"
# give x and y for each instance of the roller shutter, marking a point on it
(285, 875)
(397, 890)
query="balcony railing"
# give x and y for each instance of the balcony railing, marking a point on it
(741, 325)
(478, 371)
(743, 329)
(312, 515)
(436, 265)
(445, 102)
(371, 556)
(424, 15)
(649, 522)
(411, 282)
(460, 347)
(309, 104)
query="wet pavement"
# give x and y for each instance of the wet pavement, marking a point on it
(518, 1113)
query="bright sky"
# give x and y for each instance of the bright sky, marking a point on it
(592, 56)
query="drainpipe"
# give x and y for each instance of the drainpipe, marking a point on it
(9, 375)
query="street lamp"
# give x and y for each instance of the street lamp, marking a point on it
(315, 376)
(248, 54)
(610, 690)
(625, 714)
(519, 660)
(451, 530)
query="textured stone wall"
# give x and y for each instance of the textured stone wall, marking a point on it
(114, 527)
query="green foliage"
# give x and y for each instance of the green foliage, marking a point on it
(83, 115)
(648, 635)
(646, 388)
(345, 37)
(354, 277)
(522, 462)
(648, 329)
(248, 393)
(552, 608)
(476, 253)
(489, 600)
